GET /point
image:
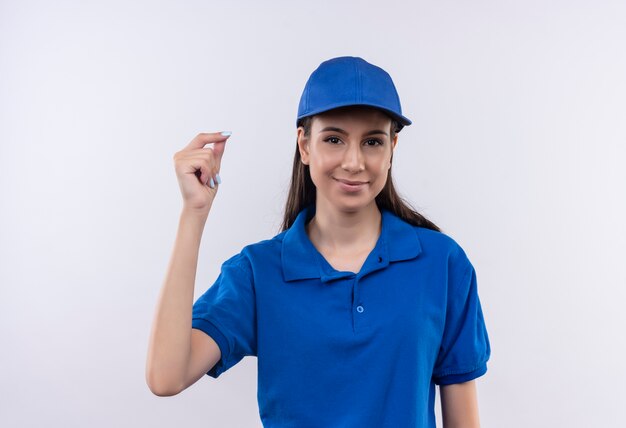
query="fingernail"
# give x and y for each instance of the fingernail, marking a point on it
(218, 179)
(211, 183)
(226, 133)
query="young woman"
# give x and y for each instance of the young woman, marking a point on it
(357, 309)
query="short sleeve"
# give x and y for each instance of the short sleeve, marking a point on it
(465, 347)
(227, 313)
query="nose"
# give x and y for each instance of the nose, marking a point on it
(352, 159)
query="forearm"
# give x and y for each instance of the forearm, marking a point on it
(459, 405)
(170, 341)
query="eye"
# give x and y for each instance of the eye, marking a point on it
(332, 140)
(374, 142)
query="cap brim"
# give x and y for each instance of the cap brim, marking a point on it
(402, 120)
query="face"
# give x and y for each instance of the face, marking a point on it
(349, 155)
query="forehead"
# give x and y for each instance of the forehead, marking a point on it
(352, 116)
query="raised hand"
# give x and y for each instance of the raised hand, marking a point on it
(197, 170)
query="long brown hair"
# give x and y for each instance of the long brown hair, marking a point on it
(302, 190)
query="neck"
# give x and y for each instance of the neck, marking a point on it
(339, 230)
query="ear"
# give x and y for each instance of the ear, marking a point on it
(394, 143)
(303, 146)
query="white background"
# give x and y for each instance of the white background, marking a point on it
(516, 151)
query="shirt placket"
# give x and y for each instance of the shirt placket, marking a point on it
(359, 318)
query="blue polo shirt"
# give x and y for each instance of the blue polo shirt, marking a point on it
(339, 349)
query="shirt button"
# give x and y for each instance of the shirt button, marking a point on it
(359, 309)
(380, 259)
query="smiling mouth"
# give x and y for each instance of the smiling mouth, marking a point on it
(350, 183)
(353, 187)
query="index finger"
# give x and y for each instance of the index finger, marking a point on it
(204, 138)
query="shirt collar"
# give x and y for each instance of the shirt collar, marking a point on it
(300, 259)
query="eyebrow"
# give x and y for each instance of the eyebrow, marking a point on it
(341, 131)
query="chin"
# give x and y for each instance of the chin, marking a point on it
(353, 206)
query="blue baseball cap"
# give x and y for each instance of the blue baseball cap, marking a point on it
(350, 81)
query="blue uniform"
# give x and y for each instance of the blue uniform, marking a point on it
(339, 349)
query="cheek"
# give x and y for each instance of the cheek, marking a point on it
(387, 163)
(318, 167)
(380, 163)
(324, 159)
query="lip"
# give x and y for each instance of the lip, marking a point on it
(351, 186)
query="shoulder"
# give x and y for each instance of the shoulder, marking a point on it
(258, 252)
(442, 246)
(431, 246)
(437, 240)
(447, 257)
(265, 247)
